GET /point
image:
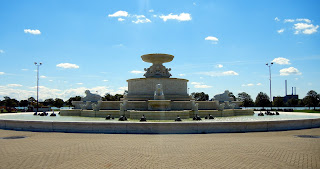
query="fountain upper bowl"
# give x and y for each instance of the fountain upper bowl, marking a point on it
(157, 58)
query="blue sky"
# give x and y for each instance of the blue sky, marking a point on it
(218, 45)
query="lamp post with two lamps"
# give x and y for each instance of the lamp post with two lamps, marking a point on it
(269, 65)
(38, 65)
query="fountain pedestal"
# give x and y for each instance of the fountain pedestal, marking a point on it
(159, 105)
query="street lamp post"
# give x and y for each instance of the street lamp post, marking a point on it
(269, 65)
(38, 65)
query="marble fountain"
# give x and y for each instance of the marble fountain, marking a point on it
(158, 97)
(161, 100)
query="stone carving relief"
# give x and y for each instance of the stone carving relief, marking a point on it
(157, 71)
(194, 106)
(91, 97)
(158, 94)
(223, 97)
(96, 106)
(123, 106)
(83, 106)
(221, 107)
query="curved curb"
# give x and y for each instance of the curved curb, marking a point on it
(159, 127)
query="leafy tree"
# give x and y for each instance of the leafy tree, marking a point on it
(109, 97)
(233, 96)
(10, 102)
(69, 101)
(58, 102)
(23, 103)
(32, 100)
(200, 96)
(312, 99)
(293, 102)
(262, 100)
(278, 102)
(301, 103)
(246, 99)
(48, 102)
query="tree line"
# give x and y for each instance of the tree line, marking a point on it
(312, 99)
(57, 102)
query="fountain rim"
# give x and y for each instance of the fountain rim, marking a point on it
(157, 58)
(190, 127)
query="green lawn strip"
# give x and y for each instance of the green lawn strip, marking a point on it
(308, 111)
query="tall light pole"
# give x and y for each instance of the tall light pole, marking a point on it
(269, 65)
(38, 65)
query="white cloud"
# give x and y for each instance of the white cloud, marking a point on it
(136, 72)
(43, 77)
(288, 20)
(219, 66)
(45, 92)
(2, 73)
(119, 14)
(180, 17)
(259, 84)
(211, 38)
(123, 88)
(120, 19)
(24, 69)
(230, 73)
(34, 32)
(1, 51)
(154, 16)
(68, 66)
(105, 80)
(151, 10)
(276, 19)
(289, 71)
(247, 85)
(14, 85)
(50, 80)
(145, 20)
(296, 78)
(79, 83)
(216, 74)
(303, 19)
(182, 74)
(194, 4)
(139, 16)
(280, 31)
(305, 28)
(200, 85)
(281, 61)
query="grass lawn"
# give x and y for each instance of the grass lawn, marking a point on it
(308, 111)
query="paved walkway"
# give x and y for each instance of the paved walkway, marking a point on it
(230, 150)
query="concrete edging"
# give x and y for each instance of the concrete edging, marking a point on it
(159, 127)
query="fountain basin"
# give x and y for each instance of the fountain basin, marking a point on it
(184, 127)
(160, 105)
(157, 58)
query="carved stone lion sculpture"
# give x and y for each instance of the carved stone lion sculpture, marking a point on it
(91, 97)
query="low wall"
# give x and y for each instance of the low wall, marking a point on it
(159, 115)
(207, 105)
(152, 115)
(143, 105)
(158, 127)
(90, 113)
(137, 105)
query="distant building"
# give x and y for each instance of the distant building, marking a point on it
(287, 97)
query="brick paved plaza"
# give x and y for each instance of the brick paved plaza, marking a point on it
(231, 150)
